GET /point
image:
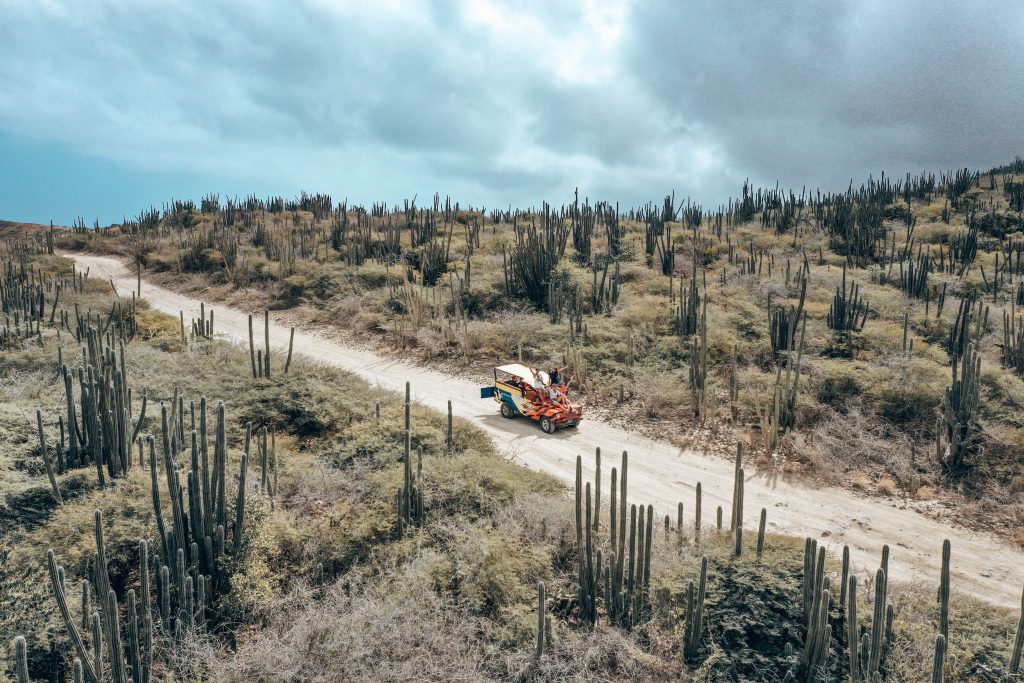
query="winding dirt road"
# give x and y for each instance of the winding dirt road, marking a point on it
(659, 474)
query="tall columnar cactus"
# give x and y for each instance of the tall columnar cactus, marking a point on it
(958, 422)
(760, 531)
(698, 369)
(844, 579)
(853, 631)
(696, 514)
(449, 441)
(252, 352)
(69, 622)
(627, 570)
(809, 575)
(1018, 642)
(736, 477)
(1013, 341)
(21, 659)
(409, 499)
(46, 459)
(780, 415)
(679, 525)
(541, 620)
(240, 505)
(944, 591)
(783, 322)
(695, 613)
(817, 644)
(739, 513)
(939, 660)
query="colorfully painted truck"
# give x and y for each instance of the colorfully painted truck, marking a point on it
(521, 390)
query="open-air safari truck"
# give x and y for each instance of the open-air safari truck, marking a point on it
(520, 391)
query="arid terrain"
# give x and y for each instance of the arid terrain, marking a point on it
(353, 510)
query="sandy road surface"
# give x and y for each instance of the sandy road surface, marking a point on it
(659, 474)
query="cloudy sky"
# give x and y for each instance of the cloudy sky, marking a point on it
(108, 106)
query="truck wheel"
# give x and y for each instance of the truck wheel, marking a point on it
(506, 411)
(547, 426)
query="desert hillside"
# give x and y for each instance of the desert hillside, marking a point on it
(174, 506)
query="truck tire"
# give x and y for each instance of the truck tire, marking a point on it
(547, 426)
(506, 411)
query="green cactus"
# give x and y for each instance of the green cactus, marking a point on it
(760, 531)
(409, 499)
(696, 514)
(814, 657)
(146, 638)
(845, 577)
(1018, 641)
(695, 613)
(679, 524)
(86, 604)
(852, 639)
(21, 659)
(736, 479)
(291, 343)
(46, 459)
(97, 645)
(944, 591)
(939, 660)
(252, 352)
(590, 568)
(449, 441)
(541, 621)
(739, 513)
(848, 312)
(69, 622)
(959, 427)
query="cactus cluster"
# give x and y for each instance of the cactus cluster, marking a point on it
(203, 327)
(780, 415)
(97, 427)
(128, 635)
(528, 266)
(957, 429)
(259, 359)
(914, 276)
(622, 577)
(695, 612)
(784, 321)
(813, 666)
(849, 311)
(194, 559)
(867, 648)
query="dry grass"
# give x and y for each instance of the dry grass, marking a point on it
(886, 486)
(860, 481)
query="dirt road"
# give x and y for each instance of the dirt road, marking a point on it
(659, 474)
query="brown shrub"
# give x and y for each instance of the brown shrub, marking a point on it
(886, 486)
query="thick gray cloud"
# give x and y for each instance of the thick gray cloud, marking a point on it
(504, 101)
(815, 92)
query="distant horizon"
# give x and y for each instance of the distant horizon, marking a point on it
(108, 108)
(424, 201)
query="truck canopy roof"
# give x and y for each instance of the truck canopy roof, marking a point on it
(520, 370)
